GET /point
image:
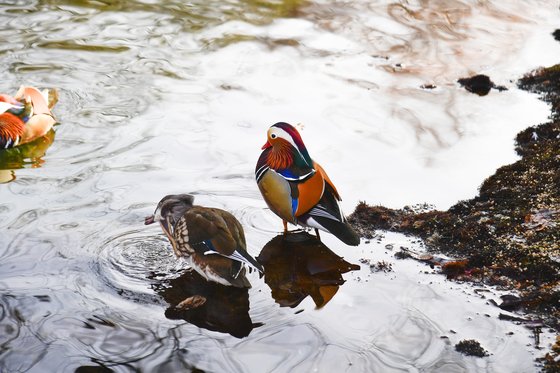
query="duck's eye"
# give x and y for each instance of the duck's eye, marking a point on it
(273, 136)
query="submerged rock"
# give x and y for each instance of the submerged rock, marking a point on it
(479, 84)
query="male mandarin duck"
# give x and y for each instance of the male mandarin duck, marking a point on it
(212, 239)
(26, 116)
(296, 188)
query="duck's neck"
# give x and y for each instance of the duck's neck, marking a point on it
(283, 156)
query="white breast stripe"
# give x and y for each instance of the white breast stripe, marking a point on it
(260, 172)
(303, 177)
(260, 169)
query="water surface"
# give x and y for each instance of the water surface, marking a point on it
(168, 97)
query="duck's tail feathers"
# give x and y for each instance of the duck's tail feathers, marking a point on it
(242, 257)
(341, 229)
(238, 278)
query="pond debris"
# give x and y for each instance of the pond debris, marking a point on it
(508, 235)
(479, 84)
(471, 347)
(551, 360)
(428, 86)
(380, 266)
(190, 303)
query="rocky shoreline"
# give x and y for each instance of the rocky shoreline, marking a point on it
(509, 235)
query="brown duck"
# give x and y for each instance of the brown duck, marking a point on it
(212, 239)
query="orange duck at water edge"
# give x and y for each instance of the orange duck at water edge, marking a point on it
(296, 188)
(26, 116)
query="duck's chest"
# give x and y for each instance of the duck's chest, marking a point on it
(277, 193)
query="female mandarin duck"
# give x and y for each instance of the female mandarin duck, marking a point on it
(212, 239)
(296, 188)
(26, 116)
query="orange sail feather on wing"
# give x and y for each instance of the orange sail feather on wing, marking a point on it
(310, 192)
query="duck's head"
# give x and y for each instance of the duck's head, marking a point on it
(169, 210)
(283, 136)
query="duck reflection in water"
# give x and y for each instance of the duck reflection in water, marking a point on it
(208, 305)
(297, 265)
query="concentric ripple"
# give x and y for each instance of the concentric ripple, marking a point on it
(131, 261)
(259, 220)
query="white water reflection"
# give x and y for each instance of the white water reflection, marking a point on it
(168, 97)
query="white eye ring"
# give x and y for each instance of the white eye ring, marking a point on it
(273, 136)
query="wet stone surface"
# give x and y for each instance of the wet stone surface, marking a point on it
(479, 84)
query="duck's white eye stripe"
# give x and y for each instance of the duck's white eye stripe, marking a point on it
(286, 136)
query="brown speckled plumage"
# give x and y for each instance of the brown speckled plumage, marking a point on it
(212, 239)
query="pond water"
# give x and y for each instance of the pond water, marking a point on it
(162, 97)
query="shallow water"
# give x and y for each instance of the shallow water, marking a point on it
(167, 97)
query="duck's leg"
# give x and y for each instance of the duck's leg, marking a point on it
(285, 226)
(317, 233)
